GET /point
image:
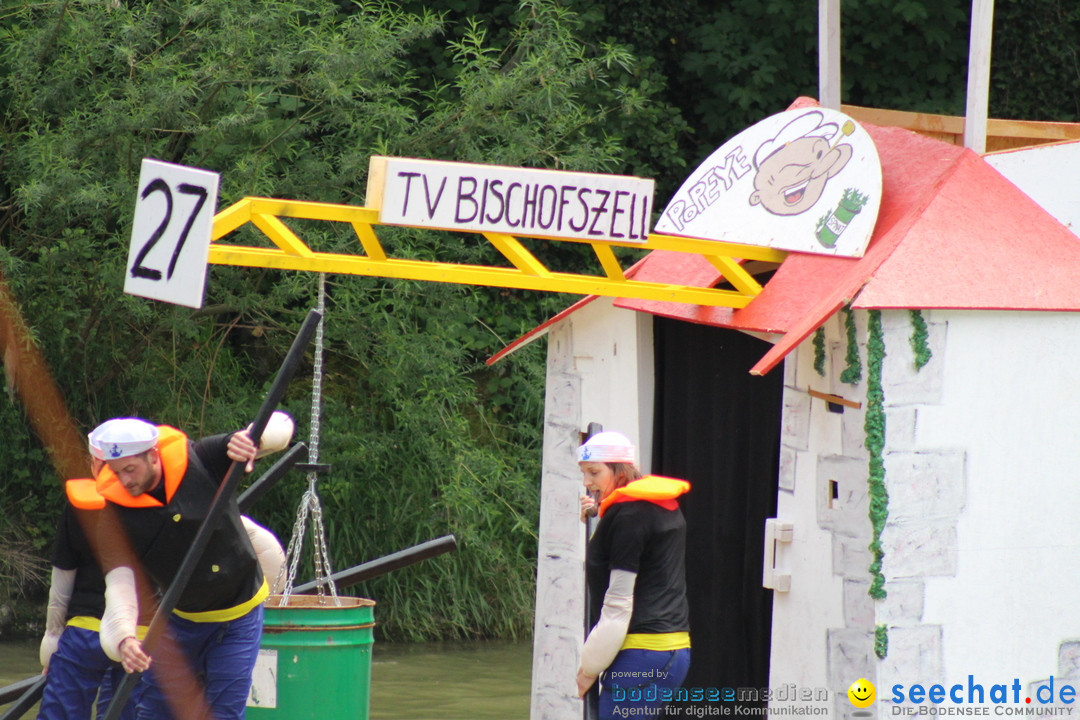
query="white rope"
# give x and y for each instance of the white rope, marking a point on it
(309, 503)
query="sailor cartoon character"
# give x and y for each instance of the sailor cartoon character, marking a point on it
(794, 166)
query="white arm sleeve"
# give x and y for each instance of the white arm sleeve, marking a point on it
(277, 434)
(268, 549)
(607, 636)
(121, 610)
(60, 589)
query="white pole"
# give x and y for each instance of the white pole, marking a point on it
(978, 86)
(829, 53)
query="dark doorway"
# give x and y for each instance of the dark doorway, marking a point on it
(719, 427)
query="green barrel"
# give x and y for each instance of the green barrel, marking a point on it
(314, 660)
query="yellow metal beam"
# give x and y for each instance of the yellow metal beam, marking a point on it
(516, 253)
(608, 261)
(369, 240)
(735, 274)
(528, 273)
(282, 236)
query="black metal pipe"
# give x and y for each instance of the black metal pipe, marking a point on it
(25, 693)
(385, 564)
(591, 700)
(269, 478)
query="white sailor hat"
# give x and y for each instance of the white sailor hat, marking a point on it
(122, 437)
(810, 124)
(607, 446)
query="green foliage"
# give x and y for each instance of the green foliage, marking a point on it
(819, 351)
(920, 336)
(733, 64)
(735, 51)
(852, 373)
(881, 641)
(1035, 70)
(290, 99)
(874, 425)
(906, 54)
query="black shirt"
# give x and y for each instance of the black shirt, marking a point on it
(71, 551)
(644, 538)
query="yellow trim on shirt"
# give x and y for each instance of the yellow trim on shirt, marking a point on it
(656, 641)
(228, 613)
(86, 622)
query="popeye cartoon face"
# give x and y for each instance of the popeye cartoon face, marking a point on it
(794, 167)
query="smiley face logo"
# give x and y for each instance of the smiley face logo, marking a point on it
(862, 693)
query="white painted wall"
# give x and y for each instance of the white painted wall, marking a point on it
(982, 542)
(1010, 401)
(1048, 174)
(810, 433)
(982, 546)
(600, 369)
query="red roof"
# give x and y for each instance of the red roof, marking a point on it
(952, 232)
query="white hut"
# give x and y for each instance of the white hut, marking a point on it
(906, 417)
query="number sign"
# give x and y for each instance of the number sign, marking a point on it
(170, 236)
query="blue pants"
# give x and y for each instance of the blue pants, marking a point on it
(638, 683)
(202, 670)
(77, 670)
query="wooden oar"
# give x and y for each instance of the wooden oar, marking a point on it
(385, 564)
(216, 510)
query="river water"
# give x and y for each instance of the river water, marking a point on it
(449, 681)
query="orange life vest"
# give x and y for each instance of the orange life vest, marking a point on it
(83, 494)
(662, 491)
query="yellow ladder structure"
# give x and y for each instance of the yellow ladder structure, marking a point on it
(290, 252)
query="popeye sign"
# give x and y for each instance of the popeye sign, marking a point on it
(804, 180)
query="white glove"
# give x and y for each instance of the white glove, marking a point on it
(268, 549)
(277, 434)
(60, 588)
(121, 610)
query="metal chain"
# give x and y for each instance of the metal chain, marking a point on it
(310, 501)
(317, 376)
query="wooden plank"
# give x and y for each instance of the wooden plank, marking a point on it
(376, 181)
(1000, 134)
(829, 88)
(978, 87)
(919, 122)
(829, 397)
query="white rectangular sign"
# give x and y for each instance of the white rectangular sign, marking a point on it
(511, 200)
(263, 691)
(170, 235)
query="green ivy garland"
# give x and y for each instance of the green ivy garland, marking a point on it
(919, 336)
(819, 351)
(881, 641)
(874, 425)
(853, 371)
